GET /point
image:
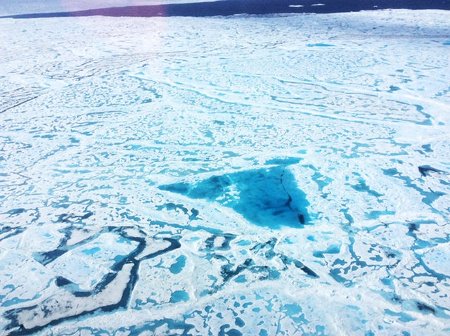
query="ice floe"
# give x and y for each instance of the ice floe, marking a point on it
(227, 175)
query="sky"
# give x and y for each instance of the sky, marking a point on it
(15, 7)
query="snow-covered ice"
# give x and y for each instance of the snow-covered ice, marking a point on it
(256, 175)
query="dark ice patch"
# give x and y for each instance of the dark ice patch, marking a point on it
(320, 45)
(425, 308)
(14, 212)
(72, 218)
(426, 170)
(283, 161)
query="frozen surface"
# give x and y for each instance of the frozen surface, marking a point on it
(245, 175)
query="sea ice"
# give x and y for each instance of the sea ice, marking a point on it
(226, 175)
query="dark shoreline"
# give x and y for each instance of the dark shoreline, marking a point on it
(232, 7)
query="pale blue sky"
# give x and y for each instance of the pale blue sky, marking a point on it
(14, 7)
